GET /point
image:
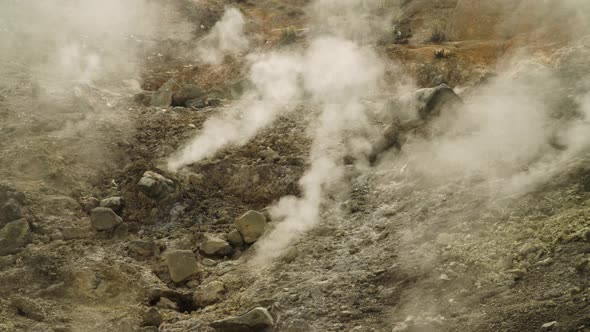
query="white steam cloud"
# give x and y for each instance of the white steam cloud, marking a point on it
(336, 72)
(225, 38)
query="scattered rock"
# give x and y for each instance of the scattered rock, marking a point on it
(163, 97)
(104, 218)
(257, 319)
(251, 225)
(187, 93)
(155, 186)
(181, 264)
(144, 248)
(152, 317)
(28, 308)
(114, 203)
(14, 236)
(215, 246)
(209, 294)
(235, 238)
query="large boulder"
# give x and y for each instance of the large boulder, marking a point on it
(14, 236)
(251, 225)
(186, 93)
(255, 320)
(181, 264)
(215, 246)
(103, 218)
(155, 186)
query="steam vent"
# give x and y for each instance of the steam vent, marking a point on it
(295, 166)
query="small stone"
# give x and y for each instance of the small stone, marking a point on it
(29, 308)
(209, 262)
(104, 218)
(155, 185)
(235, 238)
(215, 246)
(256, 319)
(251, 225)
(291, 254)
(114, 203)
(549, 325)
(152, 317)
(181, 264)
(144, 248)
(269, 155)
(14, 236)
(209, 294)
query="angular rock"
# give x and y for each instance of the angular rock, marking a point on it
(115, 203)
(103, 218)
(152, 317)
(155, 186)
(163, 97)
(186, 93)
(255, 320)
(14, 236)
(251, 225)
(235, 238)
(144, 248)
(181, 264)
(215, 246)
(209, 294)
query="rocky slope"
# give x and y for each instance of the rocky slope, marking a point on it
(96, 234)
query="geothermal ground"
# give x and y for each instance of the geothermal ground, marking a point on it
(327, 185)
